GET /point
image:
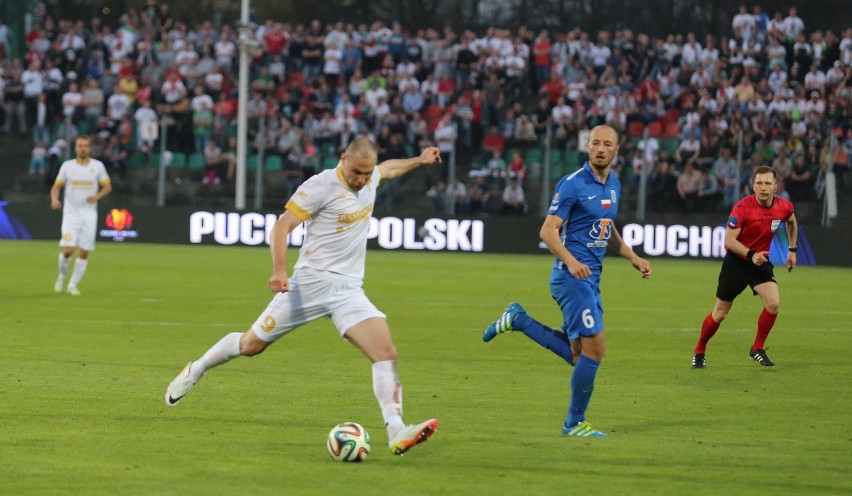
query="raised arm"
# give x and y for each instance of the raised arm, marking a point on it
(393, 168)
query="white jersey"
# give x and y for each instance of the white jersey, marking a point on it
(336, 222)
(80, 182)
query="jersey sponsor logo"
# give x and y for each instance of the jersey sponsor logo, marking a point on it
(354, 217)
(733, 222)
(775, 224)
(600, 232)
(591, 197)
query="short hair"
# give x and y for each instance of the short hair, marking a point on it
(84, 137)
(363, 147)
(765, 169)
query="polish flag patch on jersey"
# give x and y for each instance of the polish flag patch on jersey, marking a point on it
(606, 203)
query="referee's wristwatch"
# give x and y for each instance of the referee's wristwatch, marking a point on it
(792, 249)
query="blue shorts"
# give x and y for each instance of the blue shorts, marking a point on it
(580, 302)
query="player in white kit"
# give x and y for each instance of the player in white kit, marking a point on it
(336, 207)
(85, 181)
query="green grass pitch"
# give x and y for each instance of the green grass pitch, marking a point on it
(82, 382)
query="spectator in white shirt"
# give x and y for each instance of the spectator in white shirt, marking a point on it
(514, 201)
(815, 79)
(793, 24)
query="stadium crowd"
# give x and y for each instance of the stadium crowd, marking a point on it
(490, 98)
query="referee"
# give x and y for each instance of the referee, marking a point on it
(751, 226)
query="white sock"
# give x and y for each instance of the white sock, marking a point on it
(79, 271)
(63, 265)
(227, 348)
(388, 392)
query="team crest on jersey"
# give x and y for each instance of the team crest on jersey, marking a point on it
(775, 224)
(301, 194)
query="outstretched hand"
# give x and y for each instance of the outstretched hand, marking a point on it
(431, 155)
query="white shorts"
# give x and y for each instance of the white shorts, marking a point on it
(314, 294)
(79, 232)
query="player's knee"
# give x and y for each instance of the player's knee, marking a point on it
(719, 315)
(771, 307)
(250, 345)
(387, 352)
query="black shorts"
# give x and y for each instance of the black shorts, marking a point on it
(737, 273)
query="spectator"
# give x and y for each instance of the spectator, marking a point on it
(202, 125)
(37, 159)
(115, 157)
(688, 185)
(40, 130)
(437, 195)
(663, 187)
(727, 173)
(461, 200)
(496, 170)
(146, 127)
(212, 164)
(493, 142)
(33, 81)
(479, 196)
(525, 132)
(800, 182)
(709, 193)
(93, 96)
(513, 199)
(687, 151)
(517, 168)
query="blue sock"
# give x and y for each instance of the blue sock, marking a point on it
(554, 340)
(582, 385)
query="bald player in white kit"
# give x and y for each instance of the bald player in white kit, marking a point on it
(85, 181)
(336, 207)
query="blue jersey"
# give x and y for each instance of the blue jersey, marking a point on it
(588, 208)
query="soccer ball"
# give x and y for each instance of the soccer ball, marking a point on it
(348, 442)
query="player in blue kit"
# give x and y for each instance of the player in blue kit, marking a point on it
(578, 229)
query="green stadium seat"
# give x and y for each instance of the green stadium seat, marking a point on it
(670, 145)
(273, 163)
(533, 155)
(251, 163)
(137, 160)
(330, 162)
(196, 161)
(557, 170)
(178, 160)
(556, 156)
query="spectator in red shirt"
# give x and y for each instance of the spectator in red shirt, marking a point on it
(276, 41)
(541, 58)
(554, 88)
(493, 141)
